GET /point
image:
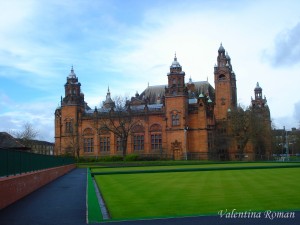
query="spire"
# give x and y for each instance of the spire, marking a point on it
(72, 73)
(108, 98)
(175, 63)
(108, 103)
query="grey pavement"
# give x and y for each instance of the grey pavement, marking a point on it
(63, 202)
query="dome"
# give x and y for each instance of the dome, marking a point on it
(175, 63)
(227, 56)
(72, 74)
(221, 49)
(257, 88)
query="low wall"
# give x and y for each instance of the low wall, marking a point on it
(16, 187)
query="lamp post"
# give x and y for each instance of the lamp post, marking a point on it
(287, 145)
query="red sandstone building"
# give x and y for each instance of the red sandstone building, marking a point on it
(180, 120)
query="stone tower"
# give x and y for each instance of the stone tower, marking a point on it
(176, 103)
(67, 117)
(225, 85)
(259, 106)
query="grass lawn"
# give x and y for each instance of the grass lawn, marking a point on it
(193, 166)
(198, 193)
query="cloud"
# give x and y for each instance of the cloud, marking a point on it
(297, 111)
(127, 44)
(39, 114)
(286, 51)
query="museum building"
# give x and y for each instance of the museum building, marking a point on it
(179, 120)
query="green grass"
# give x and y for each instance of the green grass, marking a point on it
(93, 209)
(198, 193)
(192, 166)
(139, 163)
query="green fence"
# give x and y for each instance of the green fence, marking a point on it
(14, 162)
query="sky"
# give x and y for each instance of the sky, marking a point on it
(128, 45)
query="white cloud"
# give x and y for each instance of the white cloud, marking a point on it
(195, 36)
(40, 41)
(39, 114)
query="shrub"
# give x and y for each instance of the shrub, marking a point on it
(113, 158)
(132, 157)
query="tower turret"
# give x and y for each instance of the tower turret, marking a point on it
(176, 82)
(108, 103)
(225, 84)
(73, 95)
(258, 101)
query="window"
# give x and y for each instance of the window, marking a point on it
(175, 120)
(222, 77)
(156, 142)
(138, 132)
(138, 142)
(119, 144)
(104, 144)
(88, 144)
(69, 128)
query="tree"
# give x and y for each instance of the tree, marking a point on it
(26, 135)
(248, 125)
(118, 120)
(221, 142)
(240, 128)
(72, 141)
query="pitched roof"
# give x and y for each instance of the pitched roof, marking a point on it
(151, 92)
(8, 141)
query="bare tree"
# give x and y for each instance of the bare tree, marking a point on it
(119, 120)
(248, 125)
(240, 127)
(26, 135)
(72, 144)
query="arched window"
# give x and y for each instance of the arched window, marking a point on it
(222, 77)
(138, 137)
(156, 137)
(175, 120)
(118, 143)
(69, 127)
(88, 140)
(88, 131)
(104, 140)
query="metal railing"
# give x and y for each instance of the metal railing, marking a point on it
(13, 162)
